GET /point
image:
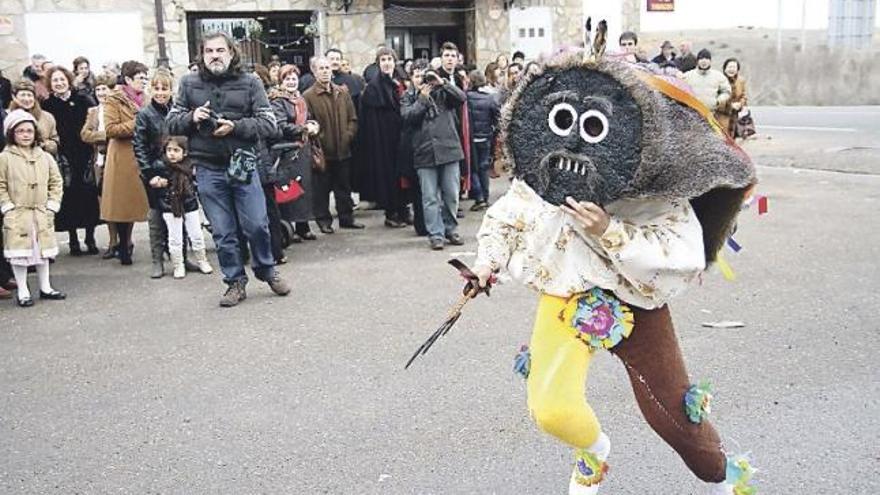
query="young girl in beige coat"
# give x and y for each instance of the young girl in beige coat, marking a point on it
(30, 195)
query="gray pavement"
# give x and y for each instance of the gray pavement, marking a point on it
(845, 139)
(141, 386)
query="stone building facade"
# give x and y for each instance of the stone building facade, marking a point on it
(356, 31)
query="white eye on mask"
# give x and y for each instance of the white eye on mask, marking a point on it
(593, 126)
(562, 119)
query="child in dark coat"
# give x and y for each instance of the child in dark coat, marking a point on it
(180, 205)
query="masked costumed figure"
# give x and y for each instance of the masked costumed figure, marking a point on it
(625, 189)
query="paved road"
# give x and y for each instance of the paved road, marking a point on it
(141, 386)
(827, 138)
(860, 121)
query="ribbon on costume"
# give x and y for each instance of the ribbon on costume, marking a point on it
(725, 268)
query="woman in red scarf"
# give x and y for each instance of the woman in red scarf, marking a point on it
(292, 117)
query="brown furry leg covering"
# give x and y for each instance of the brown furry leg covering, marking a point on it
(659, 380)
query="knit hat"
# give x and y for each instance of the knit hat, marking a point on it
(16, 117)
(23, 85)
(704, 53)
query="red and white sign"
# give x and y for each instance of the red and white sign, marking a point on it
(661, 5)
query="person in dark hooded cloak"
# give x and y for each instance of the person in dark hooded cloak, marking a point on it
(379, 174)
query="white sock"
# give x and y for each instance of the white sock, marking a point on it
(43, 275)
(20, 274)
(601, 447)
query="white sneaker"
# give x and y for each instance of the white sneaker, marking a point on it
(205, 267)
(590, 467)
(202, 262)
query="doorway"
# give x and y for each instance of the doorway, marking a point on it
(262, 37)
(417, 29)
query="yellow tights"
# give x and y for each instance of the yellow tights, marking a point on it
(557, 376)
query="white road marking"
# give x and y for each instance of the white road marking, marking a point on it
(808, 128)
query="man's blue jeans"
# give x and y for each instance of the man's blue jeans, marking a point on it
(230, 206)
(481, 158)
(440, 187)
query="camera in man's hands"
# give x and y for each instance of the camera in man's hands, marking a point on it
(210, 124)
(431, 77)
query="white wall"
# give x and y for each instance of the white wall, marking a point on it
(100, 37)
(536, 23)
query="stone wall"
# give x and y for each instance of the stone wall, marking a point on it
(356, 33)
(493, 26)
(568, 28)
(492, 29)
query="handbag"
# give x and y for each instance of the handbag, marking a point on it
(290, 192)
(242, 165)
(319, 163)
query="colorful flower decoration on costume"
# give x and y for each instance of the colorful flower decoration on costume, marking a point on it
(522, 363)
(697, 402)
(601, 320)
(739, 473)
(590, 469)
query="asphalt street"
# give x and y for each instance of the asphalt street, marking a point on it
(845, 139)
(135, 385)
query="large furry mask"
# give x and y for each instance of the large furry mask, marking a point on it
(602, 131)
(577, 133)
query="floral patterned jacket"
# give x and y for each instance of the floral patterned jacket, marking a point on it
(651, 251)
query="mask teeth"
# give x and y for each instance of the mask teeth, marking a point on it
(569, 165)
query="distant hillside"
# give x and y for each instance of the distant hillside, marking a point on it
(817, 77)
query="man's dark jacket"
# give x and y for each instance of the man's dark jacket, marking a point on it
(30, 73)
(234, 96)
(662, 62)
(686, 62)
(483, 112)
(432, 119)
(335, 112)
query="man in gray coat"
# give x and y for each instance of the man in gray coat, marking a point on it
(430, 113)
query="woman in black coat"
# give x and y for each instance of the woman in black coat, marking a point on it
(379, 140)
(79, 206)
(149, 130)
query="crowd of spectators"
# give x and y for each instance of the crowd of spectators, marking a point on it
(254, 153)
